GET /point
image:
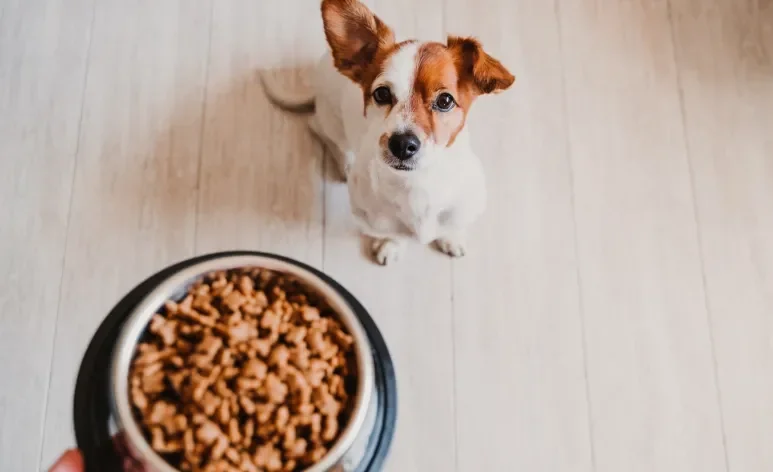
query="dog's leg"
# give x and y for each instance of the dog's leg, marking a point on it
(387, 250)
(343, 160)
(453, 243)
(385, 247)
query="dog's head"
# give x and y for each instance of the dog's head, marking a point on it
(416, 95)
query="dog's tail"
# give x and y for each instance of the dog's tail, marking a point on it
(290, 101)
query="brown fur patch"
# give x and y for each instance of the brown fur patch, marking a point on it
(355, 36)
(436, 73)
(460, 68)
(481, 72)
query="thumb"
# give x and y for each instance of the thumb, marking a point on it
(70, 461)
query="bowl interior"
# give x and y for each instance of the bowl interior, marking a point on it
(175, 288)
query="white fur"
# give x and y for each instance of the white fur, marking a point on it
(399, 72)
(437, 201)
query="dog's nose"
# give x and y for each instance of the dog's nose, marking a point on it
(404, 145)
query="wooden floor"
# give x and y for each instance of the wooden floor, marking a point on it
(614, 313)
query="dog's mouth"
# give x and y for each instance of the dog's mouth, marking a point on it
(397, 164)
(402, 167)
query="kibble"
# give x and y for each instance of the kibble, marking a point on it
(249, 372)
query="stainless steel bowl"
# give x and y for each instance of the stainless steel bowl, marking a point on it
(351, 445)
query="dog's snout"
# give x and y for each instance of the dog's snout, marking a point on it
(404, 145)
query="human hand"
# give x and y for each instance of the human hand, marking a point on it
(70, 461)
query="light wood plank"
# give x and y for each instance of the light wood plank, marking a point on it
(154, 114)
(520, 382)
(652, 383)
(134, 200)
(261, 185)
(410, 301)
(43, 50)
(725, 58)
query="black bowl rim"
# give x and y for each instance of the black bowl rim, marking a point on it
(90, 415)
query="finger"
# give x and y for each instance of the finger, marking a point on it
(129, 463)
(70, 461)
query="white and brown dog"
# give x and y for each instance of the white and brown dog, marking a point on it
(393, 114)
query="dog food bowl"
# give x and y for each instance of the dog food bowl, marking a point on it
(106, 430)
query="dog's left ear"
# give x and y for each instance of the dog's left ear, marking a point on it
(355, 36)
(486, 74)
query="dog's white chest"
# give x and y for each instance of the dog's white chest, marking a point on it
(389, 203)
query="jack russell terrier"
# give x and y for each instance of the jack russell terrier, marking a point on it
(392, 114)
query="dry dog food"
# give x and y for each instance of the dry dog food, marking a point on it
(249, 372)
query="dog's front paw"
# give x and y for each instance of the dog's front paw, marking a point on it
(387, 251)
(451, 247)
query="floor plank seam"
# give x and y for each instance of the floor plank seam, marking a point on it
(578, 273)
(76, 152)
(203, 118)
(451, 274)
(325, 188)
(698, 237)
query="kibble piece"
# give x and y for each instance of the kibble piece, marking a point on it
(153, 383)
(158, 441)
(310, 313)
(165, 329)
(297, 448)
(279, 357)
(305, 409)
(290, 465)
(281, 418)
(234, 435)
(224, 413)
(226, 291)
(247, 404)
(221, 388)
(270, 320)
(275, 389)
(221, 444)
(209, 346)
(208, 433)
(255, 368)
(234, 300)
(295, 335)
(230, 372)
(317, 454)
(269, 457)
(331, 428)
(262, 347)
(188, 441)
(316, 426)
(139, 399)
(290, 435)
(249, 432)
(175, 424)
(245, 384)
(315, 377)
(241, 332)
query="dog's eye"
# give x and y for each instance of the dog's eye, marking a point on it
(382, 96)
(444, 102)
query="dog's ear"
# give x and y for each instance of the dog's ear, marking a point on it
(355, 36)
(483, 72)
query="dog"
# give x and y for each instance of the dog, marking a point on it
(392, 114)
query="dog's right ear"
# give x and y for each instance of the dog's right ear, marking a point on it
(355, 36)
